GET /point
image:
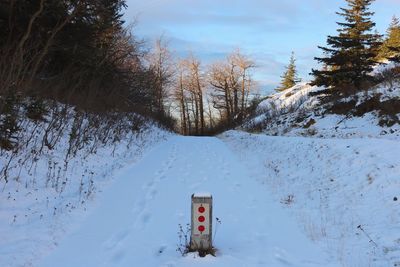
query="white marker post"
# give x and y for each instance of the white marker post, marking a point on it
(201, 231)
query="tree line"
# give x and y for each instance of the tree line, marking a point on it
(77, 53)
(205, 98)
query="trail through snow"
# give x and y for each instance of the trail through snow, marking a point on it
(135, 221)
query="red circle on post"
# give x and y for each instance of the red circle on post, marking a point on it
(201, 209)
(201, 219)
(201, 228)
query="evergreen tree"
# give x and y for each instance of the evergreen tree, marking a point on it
(396, 57)
(351, 54)
(289, 78)
(392, 41)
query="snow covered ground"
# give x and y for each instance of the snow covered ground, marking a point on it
(135, 221)
(46, 198)
(280, 201)
(343, 193)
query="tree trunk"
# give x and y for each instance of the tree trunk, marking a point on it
(227, 102)
(182, 100)
(201, 110)
(189, 123)
(201, 104)
(243, 90)
(196, 115)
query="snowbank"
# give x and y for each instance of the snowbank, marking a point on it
(344, 193)
(47, 196)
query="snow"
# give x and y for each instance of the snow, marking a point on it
(383, 66)
(343, 193)
(204, 195)
(292, 96)
(136, 219)
(48, 197)
(277, 201)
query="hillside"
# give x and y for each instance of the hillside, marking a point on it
(51, 182)
(302, 111)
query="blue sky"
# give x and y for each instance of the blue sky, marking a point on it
(267, 30)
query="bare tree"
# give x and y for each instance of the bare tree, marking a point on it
(245, 64)
(161, 63)
(231, 81)
(197, 87)
(215, 98)
(219, 80)
(179, 94)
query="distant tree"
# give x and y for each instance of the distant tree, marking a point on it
(197, 87)
(179, 95)
(392, 41)
(351, 54)
(160, 60)
(231, 85)
(221, 83)
(244, 64)
(289, 78)
(189, 94)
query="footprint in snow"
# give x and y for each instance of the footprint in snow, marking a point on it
(139, 206)
(152, 194)
(146, 217)
(116, 239)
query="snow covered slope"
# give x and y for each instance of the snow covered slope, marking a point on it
(135, 221)
(297, 112)
(344, 193)
(47, 195)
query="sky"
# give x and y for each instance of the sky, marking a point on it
(266, 30)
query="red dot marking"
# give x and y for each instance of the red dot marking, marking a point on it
(201, 209)
(201, 219)
(201, 228)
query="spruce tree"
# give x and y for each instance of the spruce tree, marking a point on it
(289, 78)
(396, 57)
(351, 54)
(392, 41)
